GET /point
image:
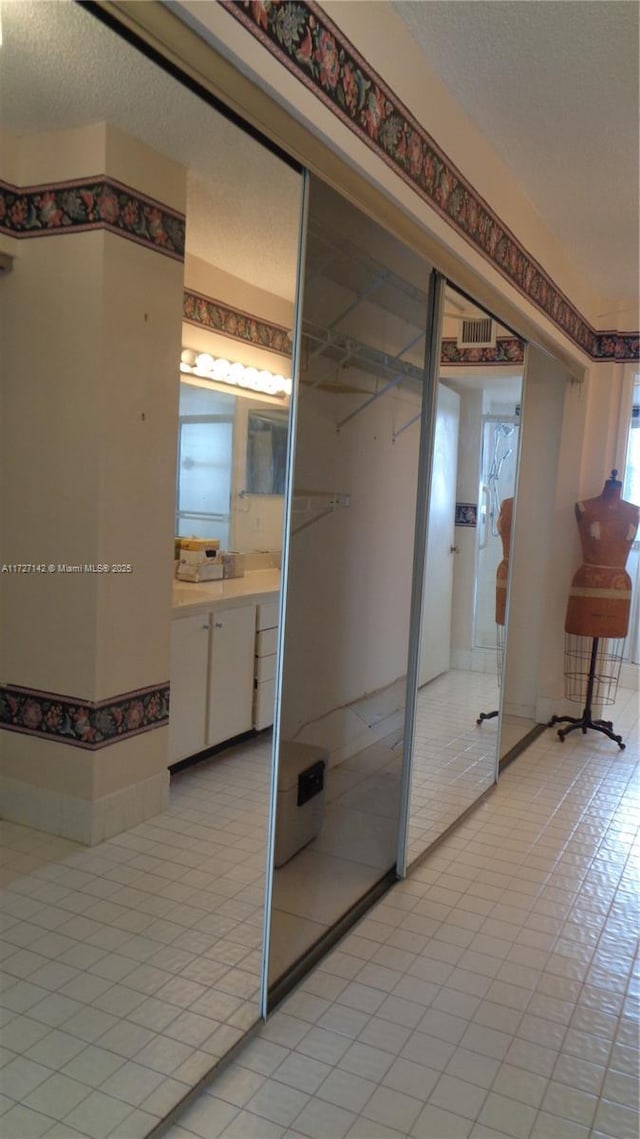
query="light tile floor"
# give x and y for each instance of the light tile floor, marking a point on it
(515, 934)
(492, 993)
(129, 969)
(454, 759)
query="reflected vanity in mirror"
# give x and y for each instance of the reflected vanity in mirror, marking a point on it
(231, 466)
(475, 454)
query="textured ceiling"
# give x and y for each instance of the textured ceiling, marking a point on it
(553, 86)
(61, 68)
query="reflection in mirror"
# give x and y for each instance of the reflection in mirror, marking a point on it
(349, 575)
(475, 453)
(205, 447)
(267, 440)
(156, 959)
(231, 449)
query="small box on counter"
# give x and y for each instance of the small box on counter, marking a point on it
(232, 563)
(206, 547)
(199, 559)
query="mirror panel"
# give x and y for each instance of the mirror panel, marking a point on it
(349, 576)
(475, 452)
(161, 954)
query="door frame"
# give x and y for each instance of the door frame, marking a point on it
(432, 556)
(435, 320)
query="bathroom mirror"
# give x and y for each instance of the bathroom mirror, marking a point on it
(475, 455)
(153, 971)
(231, 468)
(267, 441)
(349, 580)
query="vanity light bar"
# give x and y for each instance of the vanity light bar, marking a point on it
(237, 375)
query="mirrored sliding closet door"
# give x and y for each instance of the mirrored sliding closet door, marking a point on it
(469, 513)
(355, 477)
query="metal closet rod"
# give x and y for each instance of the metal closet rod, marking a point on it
(369, 359)
(374, 285)
(365, 355)
(388, 386)
(346, 250)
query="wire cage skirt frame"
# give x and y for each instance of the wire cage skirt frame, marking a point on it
(592, 672)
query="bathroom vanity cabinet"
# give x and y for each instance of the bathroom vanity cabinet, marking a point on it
(223, 644)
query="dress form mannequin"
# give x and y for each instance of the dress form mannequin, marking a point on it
(505, 519)
(599, 603)
(600, 595)
(503, 526)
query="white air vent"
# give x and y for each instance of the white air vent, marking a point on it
(477, 333)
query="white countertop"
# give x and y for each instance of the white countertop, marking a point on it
(194, 597)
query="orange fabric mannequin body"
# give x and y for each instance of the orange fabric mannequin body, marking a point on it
(503, 527)
(600, 594)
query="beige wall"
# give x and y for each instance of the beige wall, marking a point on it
(603, 445)
(544, 538)
(90, 335)
(51, 341)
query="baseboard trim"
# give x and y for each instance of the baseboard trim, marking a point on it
(88, 821)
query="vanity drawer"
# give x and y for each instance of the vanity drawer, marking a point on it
(265, 668)
(263, 701)
(266, 642)
(267, 617)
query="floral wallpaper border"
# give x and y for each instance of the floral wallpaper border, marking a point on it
(215, 316)
(92, 203)
(508, 350)
(316, 51)
(83, 723)
(616, 346)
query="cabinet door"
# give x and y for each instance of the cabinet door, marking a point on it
(231, 673)
(188, 702)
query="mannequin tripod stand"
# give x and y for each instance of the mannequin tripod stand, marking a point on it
(605, 658)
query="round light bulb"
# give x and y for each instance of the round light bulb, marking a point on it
(221, 369)
(236, 372)
(188, 357)
(205, 362)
